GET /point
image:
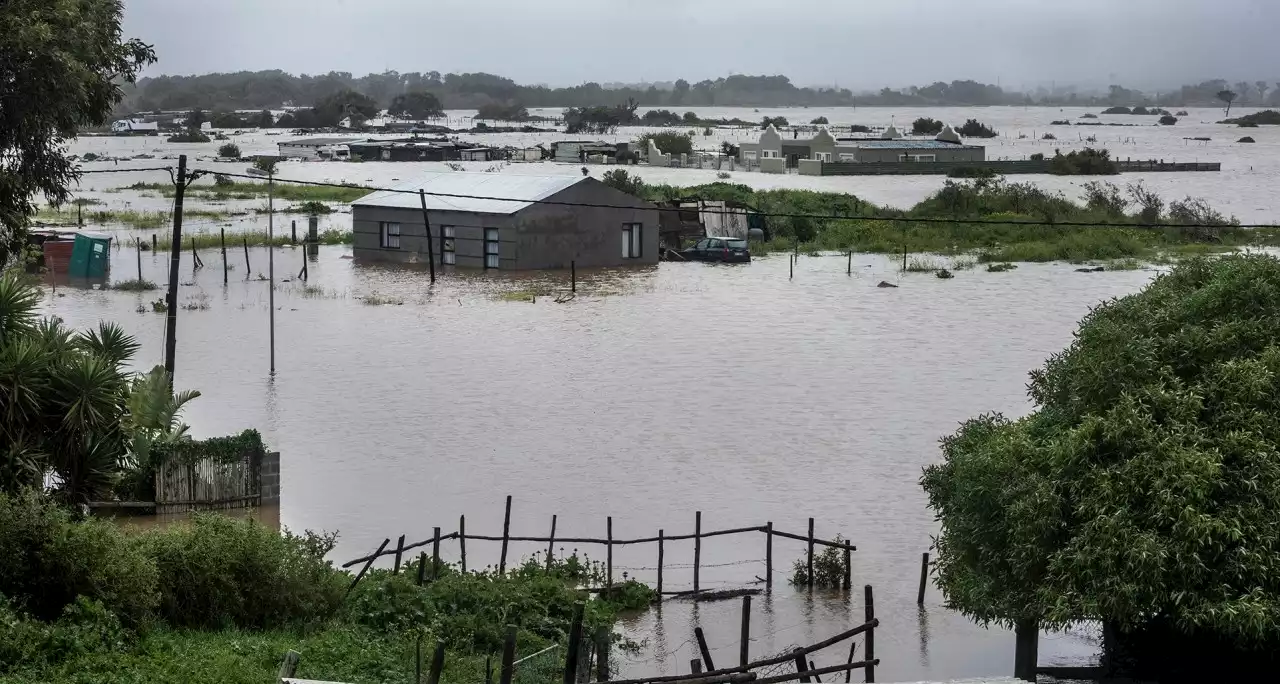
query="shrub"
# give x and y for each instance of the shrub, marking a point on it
(220, 572)
(1141, 111)
(1151, 206)
(89, 156)
(85, 627)
(1246, 139)
(1168, 120)
(668, 142)
(1060, 122)
(229, 150)
(1182, 112)
(926, 126)
(974, 129)
(190, 136)
(1038, 156)
(1117, 110)
(775, 121)
(1143, 491)
(313, 208)
(859, 128)
(820, 121)
(971, 172)
(49, 560)
(1088, 116)
(1048, 136)
(690, 118)
(619, 179)
(1086, 162)
(221, 180)
(828, 568)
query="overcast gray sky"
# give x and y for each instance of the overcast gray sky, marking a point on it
(856, 43)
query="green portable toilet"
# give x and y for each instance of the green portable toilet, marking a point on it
(90, 255)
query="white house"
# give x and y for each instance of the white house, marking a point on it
(135, 126)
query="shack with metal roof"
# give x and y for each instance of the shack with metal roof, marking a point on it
(505, 221)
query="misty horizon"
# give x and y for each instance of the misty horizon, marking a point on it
(1020, 45)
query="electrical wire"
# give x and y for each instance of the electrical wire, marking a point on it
(157, 168)
(823, 217)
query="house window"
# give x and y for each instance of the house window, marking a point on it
(390, 235)
(749, 154)
(848, 156)
(770, 154)
(490, 247)
(448, 255)
(822, 156)
(632, 236)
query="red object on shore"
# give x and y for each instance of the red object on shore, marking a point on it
(57, 255)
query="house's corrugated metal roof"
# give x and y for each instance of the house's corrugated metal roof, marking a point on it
(516, 191)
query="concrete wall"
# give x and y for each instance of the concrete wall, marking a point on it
(810, 167)
(944, 154)
(775, 165)
(468, 243)
(551, 236)
(269, 479)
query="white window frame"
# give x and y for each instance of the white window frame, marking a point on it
(822, 156)
(848, 157)
(492, 251)
(632, 240)
(389, 235)
(750, 154)
(448, 249)
(770, 154)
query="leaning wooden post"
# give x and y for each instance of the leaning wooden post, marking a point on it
(551, 542)
(225, 265)
(153, 243)
(745, 641)
(573, 648)
(368, 564)
(462, 540)
(289, 667)
(506, 535)
(437, 663)
(869, 647)
(801, 665)
(810, 554)
(697, 548)
(399, 553)
(608, 545)
(924, 577)
(695, 666)
(247, 269)
(848, 566)
(602, 654)
(660, 540)
(1026, 639)
(508, 655)
(849, 268)
(435, 556)
(703, 649)
(768, 556)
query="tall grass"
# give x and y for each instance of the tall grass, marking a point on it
(142, 220)
(211, 240)
(245, 190)
(924, 265)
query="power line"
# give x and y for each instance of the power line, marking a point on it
(822, 217)
(157, 168)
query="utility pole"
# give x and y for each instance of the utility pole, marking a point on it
(426, 221)
(175, 256)
(271, 263)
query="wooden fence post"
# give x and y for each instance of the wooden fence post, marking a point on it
(551, 543)
(801, 665)
(247, 270)
(508, 655)
(574, 645)
(810, 554)
(462, 540)
(435, 556)
(924, 577)
(608, 582)
(697, 548)
(225, 265)
(417, 657)
(702, 648)
(488, 670)
(437, 663)
(695, 666)
(848, 566)
(422, 567)
(290, 665)
(660, 540)
(1026, 636)
(869, 649)
(506, 535)
(367, 565)
(399, 553)
(768, 556)
(744, 647)
(848, 674)
(602, 654)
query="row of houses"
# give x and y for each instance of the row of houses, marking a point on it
(774, 153)
(398, 150)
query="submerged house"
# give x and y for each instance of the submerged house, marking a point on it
(314, 147)
(422, 149)
(506, 221)
(775, 154)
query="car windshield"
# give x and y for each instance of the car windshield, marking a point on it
(737, 244)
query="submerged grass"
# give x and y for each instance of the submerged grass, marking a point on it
(211, 240)
(134, 285)
(923, 265)
(249, 190)
(375, 299)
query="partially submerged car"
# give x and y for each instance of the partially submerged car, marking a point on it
(723, 249)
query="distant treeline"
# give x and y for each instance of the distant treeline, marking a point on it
(273, 89)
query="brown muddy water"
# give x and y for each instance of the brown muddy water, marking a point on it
(655, 393)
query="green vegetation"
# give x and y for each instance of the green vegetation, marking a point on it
(668, 142)
(375, 299)
(1168, 120)
(924, 265)
(262, 119)
(143, 220)
(1144, 489)
(293, 192)
(189, 136)
(331, 109)
(828, 568)
(1000, 268)
(926, 126)
(205, 239)
(1227, 97)
(974, 129)
(229, 151)
(619, 179)
(417, 105)
(600, 119)
(661, 117)
(1269, 117)
(1117, 110)
(64, 64)
(1246, 139)
(1085, 162)
(971, 172)
(503, 112)
(820, 121)
(134, 285)
(775, 121)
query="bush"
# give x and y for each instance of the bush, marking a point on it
(1246, 139)
(221, 180)
(619, 179)
(229, 150)
(859, 128)
(1088, 116)
(1105, 197)
(668, 142)
(820, 121)
(1038, 156)
(190, 136)
(1117, 110)
(220, 572)
(971, 172)
(775, 121)
(1048, 136)
(1168, 120)
(926, 126)
(974, 129)
(1144, 489)
(1086, 162)
(49, 560)
(828, 567)
(85, 627)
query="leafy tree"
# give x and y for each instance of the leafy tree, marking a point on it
(345, 104)
(500, 112)
(195, 119)
(416, 105)
(975, 129)
(690, 118)
(1144, 489)
(820, 121)
(229, 150)
(1262, 87)
(619, 179)
(1085, 162)
(1228, 97)
(266, 165)
(660, 117)
(264, 119)
(61, 63)
(775, 121)
(1168, 120)
(926, 126)
(668, 142)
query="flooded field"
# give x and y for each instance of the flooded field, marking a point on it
(657, 392)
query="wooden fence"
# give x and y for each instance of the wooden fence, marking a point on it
(609, 542)
(1007, 167)
(210, 484)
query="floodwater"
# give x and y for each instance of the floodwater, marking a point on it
(655, 393)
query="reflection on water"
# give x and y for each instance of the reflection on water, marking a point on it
(657, 392)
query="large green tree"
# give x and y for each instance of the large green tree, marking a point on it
(416, 105)
(61, 66)
(1145, 487)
